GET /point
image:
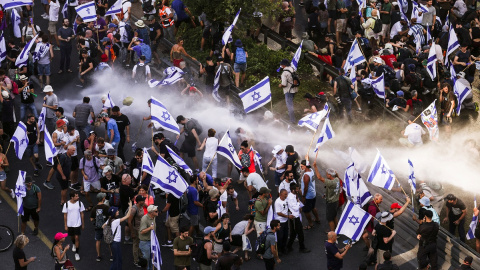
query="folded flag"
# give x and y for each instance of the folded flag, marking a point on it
(20, 191)
(3, 48)
(155, 250)
(50, 149)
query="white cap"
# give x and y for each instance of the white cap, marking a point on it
(276, 149)
(106, 169)
(47, 88)
(104, 97)
(378, 60)
(5, 94)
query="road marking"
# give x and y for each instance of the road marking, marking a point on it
(40, 235)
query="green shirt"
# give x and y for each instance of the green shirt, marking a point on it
(30, 201)
(260, 205)
(332, 190)
(386, 18)
(332, 5)
(182, 245)
(145, 223)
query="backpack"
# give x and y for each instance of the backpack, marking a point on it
(122, 53)
(225, 74)
(140, 76)
(198, 128)
(260, 247)
(108, 236)
(198, 251)
(377, 28)
(388, 73)
(240, 56)
(435, 217)
(295, 78)
(147, 6)
(147, 52)
(94, 163)
(99, 220)
(245, 159)
(129, 30)
(417, 107)
(183, 202)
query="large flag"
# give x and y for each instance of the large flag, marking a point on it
(147, 163)
(226, 149)
(228, 33)
(50, 149)
(168, 179)
(216, 86)
(3, 48)
(353, 221)
(162, 118)
(403, 6)
(87, 11)
(8, 4)
(172, 75)
(257, 158)
(326, 134)
(473, 223)
(20, 191)
(461, 91)
(411, 177)
(20, 139)
(432, 62)
(180, 162)
(354, 57)
(380, 174)
(40, 51)
(378, 86)
(22, 59)
(312, 121)
(108, 102)
(257, 96)
(453, 43)
(155, 250)
(16, 20)
(115, 9)
(429, 119)
(354, 187)
(296, 57)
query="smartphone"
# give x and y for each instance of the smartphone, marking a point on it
(349, 242)
(31, 20)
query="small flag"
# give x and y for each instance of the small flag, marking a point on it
(180, 162)
(453, 43)
(108, 102)
(162, 118)
(461, 91)
(168, 179)
(41, 49)
(228, 33)
(256, 96)
(50, 149)
(22, 59)
(155, 250)
(326, 134)
(429, 36)
(65, 10)
(429, 119)
(354, 57)
(8, 4)
(312, 121)
(115, 9)
(353, 221)
(473, 223)
(3, 48)
(226, 149)
(354, 187)
(147, 163)
(453, 74)
(87, 11)
(216, 85)
(20, 139)
(380, 174)
(432, 62)
(257, 159)
(296, 57)
(378, 86)
(20, 191)
(41, 119)
(411, 177)
(171, 76)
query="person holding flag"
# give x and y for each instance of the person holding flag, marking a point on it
(147, 224)
(334, 254)
(32, 204)
(333, 190)
(412, 135)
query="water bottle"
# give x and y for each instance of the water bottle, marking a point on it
(16, 75)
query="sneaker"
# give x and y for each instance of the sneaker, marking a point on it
(35, 173)
(111, 258)
(426, 91)
(137, 265)
(39, 166)
(12, 194)
(98, 259)
(49, 164)
(301, 4)
(305, 250)
(43, 15)
(46, 18)
(74, 248)
(56, 48)
(77, 257)
(74, 187)
(48, 185)
(168, 244)
(35, 231)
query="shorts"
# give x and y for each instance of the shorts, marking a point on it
(341, 23)
(237, 68)
(3, 176)
(30, 212)
(73, 231)
(32, 149)
(172, 223)
(87, 185)
(63, 183)
(259, 227)
(75, 163)
(178, 22)
(99, 235)
(237, 240)
(43, 70)
(188, 148)
(206, 32)
(385, 30)
(332, 211)
(309, 205)
(332, 14)
(52, 27)
(193, 220)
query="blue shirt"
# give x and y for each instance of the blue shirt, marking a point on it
(179, 8)
(112, 125)
(209, 180)
(192, 195)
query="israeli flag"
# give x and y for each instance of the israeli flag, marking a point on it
(378, 86)
(473, 224)
(20, 139)
(416, 12)
(257, 159)
(115, 9)
(65, 10)
(429, 36)
(411, 177)
(180, 162)
(429, 119)
(50, 149)
(22, 59)
(453, 43)
(403, 11)
(162, 118)
(41, 119)
(108, 102)
(168, 179)
(296, 57)
(380, 174)
(453, 74)
(20, 191)
(257, 96)
(352, 76)
(40, 51)
(172, 75)
(312, 120)
(147, 163)
(354, 187)
(420, 7)
(353, 221)
(155, 250)
(403, 4)
(447, 20)
(354, 57)
(432, 62)
(461, 91)
(228, 32)
(8, 4)
(16, 20)
(226, 149)
(87, 11)
(361, 4)
(216, 86)
(3, 48)
(326, 134)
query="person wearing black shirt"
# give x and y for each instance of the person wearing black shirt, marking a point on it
(387, 263)
(110, 182)
(456, 211)
(26, 98)
(384, 235)
(123, 124)
(399, 101)
(155, 34)
(19, 257)
(209, 70)
(161, 142)
(86, 67)
(173, 208)
(427, 248)
(334, 254)
(12, 53)
(292, 161)
(33, 133)
(227, 259)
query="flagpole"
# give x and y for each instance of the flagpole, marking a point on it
(210, 161)
(313, 137)
(10, 142)
(401, 187)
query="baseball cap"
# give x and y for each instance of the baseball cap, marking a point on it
(450, 197)
(208, 230)
(468, 259)
(425, 201)
(60, 123)
(395, 206)
(264, 190)
(59, 236)
(400, 93)
(386, 216)
(151, 208)
(112, 211)
(111, 25)
(461, 74)
(276, 149)
(60, 109)
(139, 198)
(101, 195)
(378, 60)
(107, 169)
(103, 114)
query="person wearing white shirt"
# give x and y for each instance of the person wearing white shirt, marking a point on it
(459, 8)
(209, 156)
(126, 9)
(412, 133)
(115, 224)
(286, 182)
(73, 220)
(229, 192)
(295, 224)
(280, 156)
(254, 183)
(281, 208)
(52, 21)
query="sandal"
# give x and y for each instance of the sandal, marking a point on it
(308, 227)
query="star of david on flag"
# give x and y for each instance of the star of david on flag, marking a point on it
(20, 139)
(168, 179)
(226, 149)
(354, 187)
(20, 191)
(87, 12)
(8, 4)
(353, 221)
(256, 96)
(161, 118)
(312, 121)
(380, 174)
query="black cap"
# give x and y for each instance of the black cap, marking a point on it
(450, 197)
(468, 259)
(180, 118)
(284, 62)
(139, 198)
(59, 109)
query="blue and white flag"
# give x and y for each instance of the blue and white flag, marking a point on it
(8, 4)
(161, 118)
(180, 162)
(432, 62)
(352, 76)
(378, 86)
(65, 10)
(296, 57)
(147, 163)
(216, 85)
(447, 20)
(411, 177)
(361, 5)
(40, 51)
(380, 174)
(453, 43)
(257, 159)
(168, 179)
(256, 96)
(20, 139)
(87, 11)
(20, 191)
(50, 149)
(115, 9)
(473, 223)
(155, 250)
(22, 59)
(429, 119)
(172, 75)
(228, 33)
(422, 8)
(353, 221)
(453, 74)
(354, 187)
(429, 36)
(226, 149)
(403, 11)
(461, 91)
(16, 20)
(108, 102)
(3, 48)
(41, 118)
(354, 57)
(270, 217)
(326, 134)
(403, 4)
(312, 120)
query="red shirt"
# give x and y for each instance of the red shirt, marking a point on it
(251, 169)
(372, 210)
